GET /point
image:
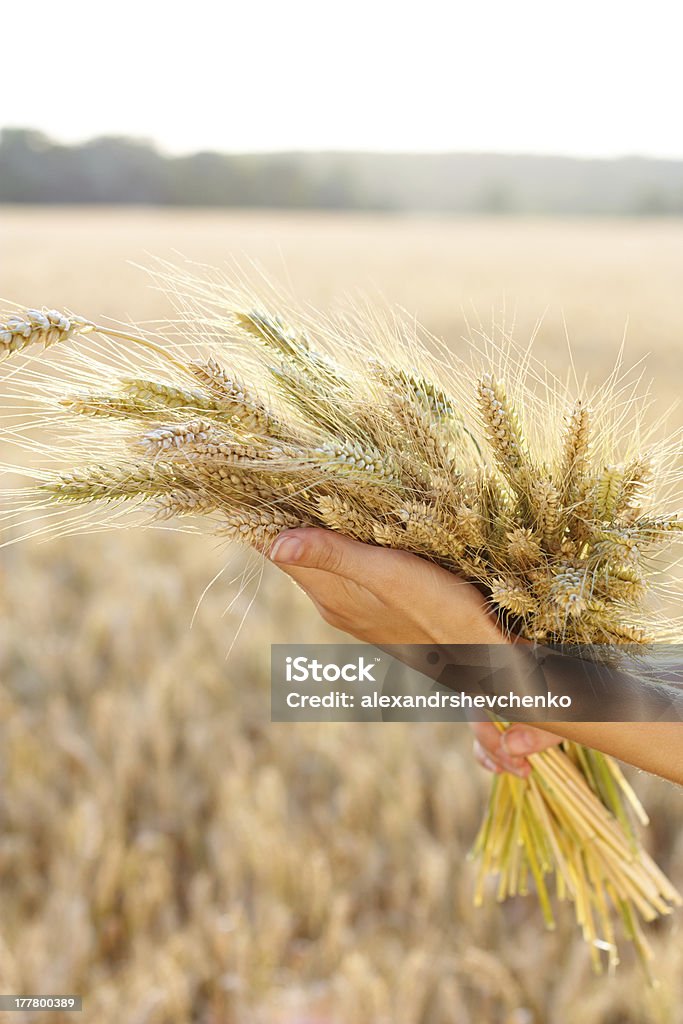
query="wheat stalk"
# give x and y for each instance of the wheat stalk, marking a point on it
(240, 400)
(257, 528)
(346, 515)
(108, 483)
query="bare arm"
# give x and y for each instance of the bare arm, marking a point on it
(655, 747)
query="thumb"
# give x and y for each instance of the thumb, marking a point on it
(315, 548)
(520, 741)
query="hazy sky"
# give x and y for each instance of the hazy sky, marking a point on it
(589, 78)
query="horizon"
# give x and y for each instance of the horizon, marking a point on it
(342, 151)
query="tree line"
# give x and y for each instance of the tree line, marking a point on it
(36, 169)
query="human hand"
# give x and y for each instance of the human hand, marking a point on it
(508, 751)
(381, 596)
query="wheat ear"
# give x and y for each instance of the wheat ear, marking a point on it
(37, 327)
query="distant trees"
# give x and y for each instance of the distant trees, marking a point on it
(34, 169)
(109, 170)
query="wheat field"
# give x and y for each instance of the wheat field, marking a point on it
(165, 850)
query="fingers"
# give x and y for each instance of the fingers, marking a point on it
(484, 759)
(509, 750)
(383, 594)
(311, 548)
(315, 548)
(346, 580)
(520, 740)
(488, 738)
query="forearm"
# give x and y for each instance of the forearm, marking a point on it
(641, 715)
(655, 747)
(644, 712)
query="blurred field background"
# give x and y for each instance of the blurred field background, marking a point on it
(164, 849)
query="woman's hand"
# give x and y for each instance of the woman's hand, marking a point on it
(392, 597)
(508, 751)
(382, 596)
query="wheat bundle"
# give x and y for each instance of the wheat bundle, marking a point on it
(369, 427)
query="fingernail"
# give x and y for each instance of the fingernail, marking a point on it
(286, 549)
(491, 765)
(518, 743)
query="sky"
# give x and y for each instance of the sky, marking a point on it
(587, 78)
